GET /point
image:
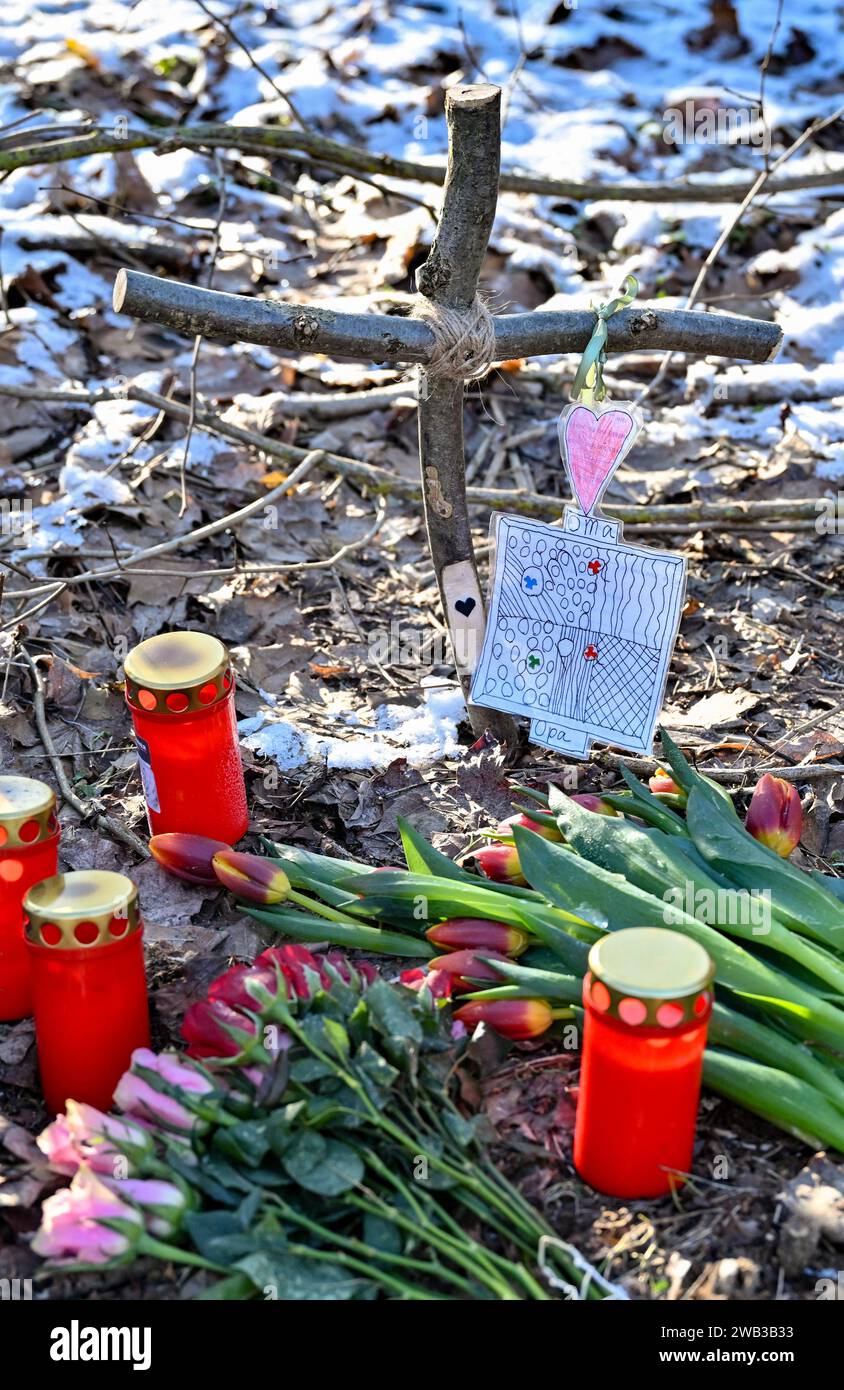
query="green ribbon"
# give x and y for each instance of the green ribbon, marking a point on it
(589, 379)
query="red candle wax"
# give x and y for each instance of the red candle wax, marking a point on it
(85, 944)
(647, 1001)
(29, 842)
(180, 691)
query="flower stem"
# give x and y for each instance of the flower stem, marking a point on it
(431, 1268)
(322, 909)
(161, 1250)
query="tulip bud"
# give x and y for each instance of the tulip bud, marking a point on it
(590, 802)
(662, 781)
(251, 877)
(187, 856)
(466, 968)
(545, 826)
(512, 1018)
(775, 816)
(475, 933)
(500, 863)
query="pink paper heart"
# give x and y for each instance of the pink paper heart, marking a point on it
(593, 447)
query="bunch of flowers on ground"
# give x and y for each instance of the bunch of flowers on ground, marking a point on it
(309, 1145)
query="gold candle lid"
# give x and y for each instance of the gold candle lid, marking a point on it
(27, 812)
(176, 672)
(651, 977)
(91, 907)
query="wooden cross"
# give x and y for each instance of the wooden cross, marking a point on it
(449, 279)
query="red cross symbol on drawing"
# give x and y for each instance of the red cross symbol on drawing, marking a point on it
(591, 653)
(594, 566)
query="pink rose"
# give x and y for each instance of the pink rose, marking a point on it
(162, 1203)
(85, 1135)
(71, 1230)
(139, 1099)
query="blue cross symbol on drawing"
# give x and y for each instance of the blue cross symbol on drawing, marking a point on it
(530, 581)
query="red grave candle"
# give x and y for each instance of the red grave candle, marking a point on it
(85, 943)
(29, 845)
(648, 999)
(180, 690)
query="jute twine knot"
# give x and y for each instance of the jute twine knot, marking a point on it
(464, 343)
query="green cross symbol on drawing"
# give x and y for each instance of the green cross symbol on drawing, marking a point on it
(534, 662)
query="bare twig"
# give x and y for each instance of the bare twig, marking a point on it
(197, 342)
(224, 24)
(201, 533)
(760, 182)
(87, 812)
(759, 515)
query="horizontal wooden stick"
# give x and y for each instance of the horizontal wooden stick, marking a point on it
(389, 338)
(39, 146)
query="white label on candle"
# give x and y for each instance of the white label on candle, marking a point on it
(147, 774)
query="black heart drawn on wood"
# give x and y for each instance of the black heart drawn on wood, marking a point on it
(465, 606)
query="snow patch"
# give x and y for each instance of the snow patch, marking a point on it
(423, 734)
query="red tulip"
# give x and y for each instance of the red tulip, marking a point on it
(500, 863)
(546, 827)
(466, 968)
(662, 781)
(512, 1018)
(590, 802)
(475, 933)
(187, 856)
(251, 877)
(775, 816)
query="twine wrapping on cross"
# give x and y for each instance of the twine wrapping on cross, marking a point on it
(464, 342)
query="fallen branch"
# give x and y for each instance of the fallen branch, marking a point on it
(275, 140)
(661, 515)
(740, 776)
(790, 381)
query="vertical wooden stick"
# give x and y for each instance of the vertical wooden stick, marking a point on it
(449, 278)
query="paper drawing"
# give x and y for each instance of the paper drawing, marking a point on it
(579, 636)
